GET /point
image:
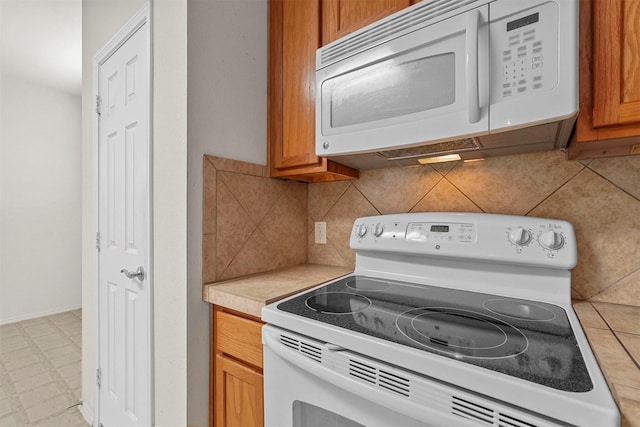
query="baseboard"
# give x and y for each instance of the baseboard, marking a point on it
(36, 315)
(87, 414)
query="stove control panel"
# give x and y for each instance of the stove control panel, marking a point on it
(497, 238)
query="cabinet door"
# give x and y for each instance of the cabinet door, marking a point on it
(341, 17)
(616, 62)
(294, 36)
(239, 396)
(609, 120)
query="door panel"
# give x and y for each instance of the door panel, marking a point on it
(124, 308)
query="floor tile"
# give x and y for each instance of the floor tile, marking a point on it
(40, 330)
(33, 382)
(40, 372)
(28, 371)
(45, 409)
(40, 394)
(12, 420)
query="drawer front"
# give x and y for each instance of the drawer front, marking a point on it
(239, 337)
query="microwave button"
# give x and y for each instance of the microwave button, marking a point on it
(529, 39)
(522, 82)
(536, 65)
(537, 86)
(537, 50)
(537, 58)
(506, 85)
(537, 78)
(522, 54)
(537, 44)
(506, 93)
(522, 48)
(507, 58)
(506, 52)
(522, 89)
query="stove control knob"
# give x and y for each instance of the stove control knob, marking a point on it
(519, 236)
(378, 230)
(361, 230)
(551, 240)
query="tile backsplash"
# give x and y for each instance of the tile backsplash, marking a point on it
(253, 223)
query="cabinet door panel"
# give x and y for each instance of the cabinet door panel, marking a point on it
(341, 17)
(616, 67)
(298, 67)
(239, 396)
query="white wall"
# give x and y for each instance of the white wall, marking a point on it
(227, 107)
(170, 210)
(39, 200)
(102, 20)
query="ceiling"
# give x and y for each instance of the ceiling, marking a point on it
(41, 42)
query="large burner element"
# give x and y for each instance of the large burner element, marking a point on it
(338, 303)
(461, 333)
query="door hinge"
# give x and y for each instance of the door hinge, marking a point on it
(98, 374)
(98, 104)
(98, 241)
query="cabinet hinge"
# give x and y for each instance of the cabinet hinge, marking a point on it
(98, 375)
(98, 241)
(98, 104)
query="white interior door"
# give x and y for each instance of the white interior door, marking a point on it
(124, 227)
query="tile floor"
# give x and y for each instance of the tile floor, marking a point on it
(40, 365)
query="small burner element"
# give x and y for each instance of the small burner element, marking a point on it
(517, 309)
(366, 284)
(461, 333)
(338, 303)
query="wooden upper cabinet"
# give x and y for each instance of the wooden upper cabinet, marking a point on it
(341, 17)
(294, 36)
(609, 119)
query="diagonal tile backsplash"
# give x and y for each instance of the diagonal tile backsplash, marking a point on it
(253, 223)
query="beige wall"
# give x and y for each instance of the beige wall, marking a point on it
(601, 198)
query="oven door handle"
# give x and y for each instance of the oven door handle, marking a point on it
(370, 392)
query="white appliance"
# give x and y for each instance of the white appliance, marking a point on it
(448, 320)
(475, 78)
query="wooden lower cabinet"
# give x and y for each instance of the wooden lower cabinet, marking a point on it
(235, 374)
(239, 396)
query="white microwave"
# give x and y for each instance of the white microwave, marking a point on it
(468, 78)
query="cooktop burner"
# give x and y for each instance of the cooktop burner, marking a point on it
(525, 339)
(461, 332)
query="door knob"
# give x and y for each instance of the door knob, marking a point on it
(138, 274)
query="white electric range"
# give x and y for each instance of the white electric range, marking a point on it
(449, 319)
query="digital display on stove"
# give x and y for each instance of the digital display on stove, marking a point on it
(439, 228)
(526, 339)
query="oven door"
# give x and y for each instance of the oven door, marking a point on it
(305, 385)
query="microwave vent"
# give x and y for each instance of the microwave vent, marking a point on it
(447, 147)
(417, 16)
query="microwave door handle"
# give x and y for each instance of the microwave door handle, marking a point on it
(471, 66)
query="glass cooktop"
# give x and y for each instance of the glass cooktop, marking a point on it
(525, 339)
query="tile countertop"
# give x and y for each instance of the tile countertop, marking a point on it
(612, 330)
(249, 294)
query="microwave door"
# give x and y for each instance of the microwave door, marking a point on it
(430, 84)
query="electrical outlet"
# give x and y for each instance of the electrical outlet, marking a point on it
(321, 233)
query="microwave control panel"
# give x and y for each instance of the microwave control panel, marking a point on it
(525, 55)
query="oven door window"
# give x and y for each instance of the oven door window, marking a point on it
(307, 415)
